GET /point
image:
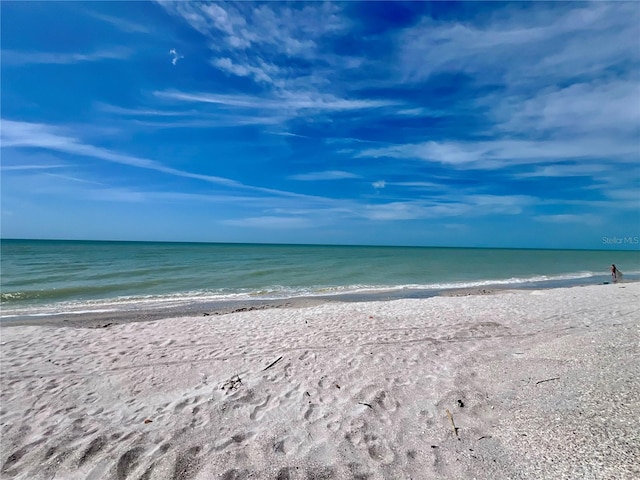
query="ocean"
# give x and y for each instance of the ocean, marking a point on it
(43, 277)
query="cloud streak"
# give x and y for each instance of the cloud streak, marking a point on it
(18, 58)
(497, 154)
(34, 135)
(326, 175)
(294, 102)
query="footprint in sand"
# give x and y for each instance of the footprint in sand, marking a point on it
(334, 426)
(325, 383)
(187, 464)
(384, 400)
(94, 447)
(288, 445)
(310, 414)
(378, 449)
(127, 462)
(260, 409)
(189, 401)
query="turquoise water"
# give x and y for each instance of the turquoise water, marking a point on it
(55, 276)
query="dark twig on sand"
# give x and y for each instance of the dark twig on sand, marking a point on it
(453, 425)
(548, 380)
(232, 384)
(366, 404)
(272, 364)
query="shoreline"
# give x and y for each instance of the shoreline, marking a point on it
(98, 318)
(522, 384)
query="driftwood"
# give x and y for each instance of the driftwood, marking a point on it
(548, 380)
(272, 364)
(453, 425)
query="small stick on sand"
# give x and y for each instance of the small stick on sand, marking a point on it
(453, 425)
(361, 403)
(548, 380)
(272, 364)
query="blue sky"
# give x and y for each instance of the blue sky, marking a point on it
(456, 124)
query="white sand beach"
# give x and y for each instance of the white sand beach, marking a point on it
(541, 384)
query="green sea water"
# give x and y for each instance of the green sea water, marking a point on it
(59, 276)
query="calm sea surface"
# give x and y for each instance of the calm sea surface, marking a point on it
(44, 277)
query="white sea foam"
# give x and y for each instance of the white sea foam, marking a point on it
(178, 299)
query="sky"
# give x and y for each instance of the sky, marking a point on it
(437, 124)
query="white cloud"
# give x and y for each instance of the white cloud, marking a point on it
(142, 112)
(596, 107)
(12, 57)
(288, 134)
(120, 23)
(449, 206)
(258, 73)
(238, 26)
(71, 178)
(379, 184)
(497, 154)
(420, 185)
(542, 45)
(326, 175)
(288, 104)
(267, 42)
(587, 219)
(567, 79)
(30, 167)
(269, 221)
(395, 211)
(34, 135)
(566, 170)
(175, 56)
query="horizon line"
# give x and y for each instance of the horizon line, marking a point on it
(203, 242)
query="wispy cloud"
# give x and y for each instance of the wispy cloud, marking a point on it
(269, 221)
(512, 48)
(34, 135)
(420, 185)
(501, 153)
(120, 23)
(143, 112)
(17, 58)
(280, 47)
(72, 178)
(271, 108)
(549, 101)
(447, 205)
(566, 170)
(292, 102)
(240, 27)
(587, 219)
(30, 167)
(258, 73)
(599, 106)
(326, 175)
(287, 134)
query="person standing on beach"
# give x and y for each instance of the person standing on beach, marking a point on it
(614, 273)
